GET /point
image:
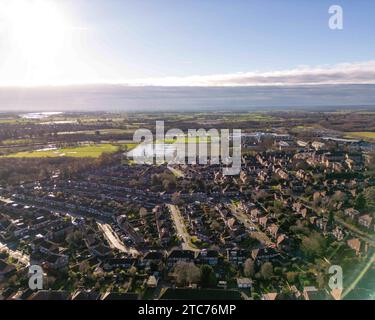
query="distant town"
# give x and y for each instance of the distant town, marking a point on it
(102, 227)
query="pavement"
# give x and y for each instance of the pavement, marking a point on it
(181, 228)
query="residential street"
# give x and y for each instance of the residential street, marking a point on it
(114, 240)
(244, 219)
(181, 228)
(24, 259)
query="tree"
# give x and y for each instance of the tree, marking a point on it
(291, 276)
(321, 280)
(248, 268)
(142, 212)
(266, 270)
(208, 277)
(330, 219)
(132, 270)
(155, 180)
(215, 226)
(176, 199)
(186, 273)
(313, 245)
(169, 185)
(360, 202)
(84, 267)
(369, 195)
(371, 165)
(74, 238)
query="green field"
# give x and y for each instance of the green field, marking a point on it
(186, 140)
(363, 135)
(16, 141)
(257, 117)
(16, 121)
(85, 151)
(101, 132)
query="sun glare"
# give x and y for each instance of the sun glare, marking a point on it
(37, 30)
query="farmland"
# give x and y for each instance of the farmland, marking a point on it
(366, 135)
(84, 151)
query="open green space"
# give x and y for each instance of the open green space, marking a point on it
(366, 135)
(101, 131)
(84, 151)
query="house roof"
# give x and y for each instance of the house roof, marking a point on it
(49, 295)
(244, 281)
(281, 238)
(208, 254)
(312, 293)
(181, 254)
(366, 217)
(351, 211)
(200, 294)
(152, 281)
(115, 261)
(85, 295)
(336, 294)
(263, 252)
(355, 244)
(235, 252)
(5, 267)
(119, 296)
(53, 258)
(273, 228)
(270, 296)
(153, 255)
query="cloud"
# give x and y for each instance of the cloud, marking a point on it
(193, 98)
(342, 85)
(345, 73)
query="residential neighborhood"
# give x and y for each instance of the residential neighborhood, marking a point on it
(121, 230)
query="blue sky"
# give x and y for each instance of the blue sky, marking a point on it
(117, 41)
(181, 38)
(98, 50)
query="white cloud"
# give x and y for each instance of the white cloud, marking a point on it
(345, 73)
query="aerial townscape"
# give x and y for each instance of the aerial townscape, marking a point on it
(103, 227)
(187, 158)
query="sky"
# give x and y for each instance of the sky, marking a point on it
(185, 43)
(48, 42)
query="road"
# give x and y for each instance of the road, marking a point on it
(15, 254)
(244, 219)
(360, 234)
(108, 232)
(363, 236)
(181, 228)
(114, 240)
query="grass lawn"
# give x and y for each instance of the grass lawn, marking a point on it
(85, 151)
(101, 132)
(16, 141)
(364, 135)
(258, 117)
(187, 140)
